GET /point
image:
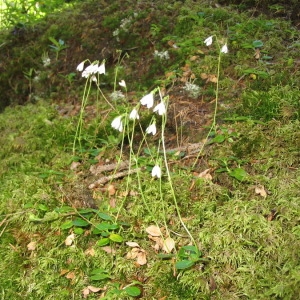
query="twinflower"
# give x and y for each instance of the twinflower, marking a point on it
(151, 129)
(224, 49)
(101, 69)
(156, 171)
(134, 114)
(80, 67)
(90, 70)
(208, 41)
(122, 83)
(148, 100)
(160, 108)
(117, 123)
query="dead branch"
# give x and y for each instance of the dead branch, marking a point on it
(189, 149)
(105, 179)
(106, 168)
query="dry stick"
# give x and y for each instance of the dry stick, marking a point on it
(119, 166)
(106, 179)
(190, 149)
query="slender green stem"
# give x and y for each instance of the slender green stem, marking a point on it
(144, 198)
(105, 98)
(213, 125)
(85, 96)
(164, 121)
(131, 155)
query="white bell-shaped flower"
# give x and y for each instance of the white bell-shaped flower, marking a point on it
(156, 171)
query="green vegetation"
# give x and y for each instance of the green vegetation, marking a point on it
(141, 159)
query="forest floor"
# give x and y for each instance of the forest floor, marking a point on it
(84, 213)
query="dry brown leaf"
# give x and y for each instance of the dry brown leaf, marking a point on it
(90, 252)
(85, 292)
(108, 249)
(31, 246)
(186, 68)
(111, 189)
(94, 289)
(133, 253)
(128, 193)
(186, 74)
(133, 193)
(70, 275)
(272, 215)
(112, 202)
(124, 193)
(138, 254)
(70, 239)
(257, 54)
(193, 58)
(209, 77)
(74, 165)
(153, 230)
(171, 43)
(205, 174)
(159, 243)
(212, 78)
(168, 245)
(141, 258)
(260, 190)
(132, 244)
(169, 74)
(87, 233)
(63, 272)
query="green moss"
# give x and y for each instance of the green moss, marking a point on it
(249, 240)
(280, 102)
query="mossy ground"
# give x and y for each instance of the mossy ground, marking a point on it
(248, 230)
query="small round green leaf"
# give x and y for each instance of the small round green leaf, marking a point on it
(184, 264)
(133, 291)
(191, 249)
(78, 230)
(99, 276)
(28, 205)
(80, 223)
(238, 173)
(116, 238)
(103, 242)
(218, 139)
(42, 207)
(104, 216)
(85, 211)
(64, 209)
(104, 226)
(66, 225)
(257, 44)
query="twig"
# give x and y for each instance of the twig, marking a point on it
(116, 166)
(106, 179)
(189, 149)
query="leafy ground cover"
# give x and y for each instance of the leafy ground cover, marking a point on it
(103, 198)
